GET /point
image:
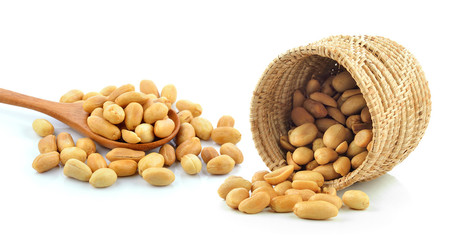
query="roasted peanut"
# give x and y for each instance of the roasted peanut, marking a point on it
(257, 184)
(290, 161)
(334, 135)
(203, 127)
(366, 115)
(104, 128)
(233, 151)
(306, 184)
(327, 171)
(298, 99)
(356, 199)
(124, 168)
(300, 116)
(312, 165)
(186, 131)
(114, 114)
(120, 90)
(46, 161)
(282, 187)
(164, 128)
(354, 150)
(325, 155)
(343, 81)
(192, 107)
(226, 121)
(363, 137)
(334, 199)
(185, 116)
(130, 136)
(134, 115)
(124, 154)
(192, 145)
(317, 210)
(87, 145)
(303, 135)
(145, 132)
(236, 196)
(285, 144)
(357, 160)
(208, 153)
(43, 127)
(170, 92)
(285, 203)
(151, 160)
(323, 124)
(47, 144)
(267, 189)
(103, 177)
(353, 105)
(312, 86)
(90, 94)
(96, 161)
(97, 112)
(220, 165)
(302, 155)
(72, 152)
(72, 96)
(128, 97)
(158, 176)
(191, 163)
(78, 170)
(231, 183)
(342, 147)
(94, 102)
(157, 111)
(279, 175)
(318, 143)
(342, 165)
(329, 190)
(305, 194)
(323, 98)
(223, 135)
(309, 176)
(255, 204)
(107, 90)
(315, 108)
(336, 114)
(259, 176)
(149, 87)
(169, 154)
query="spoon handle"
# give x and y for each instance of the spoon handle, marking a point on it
(44, 106)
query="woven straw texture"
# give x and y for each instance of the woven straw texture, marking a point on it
(391, 81)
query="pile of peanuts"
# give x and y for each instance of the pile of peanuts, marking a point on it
(332, 127)
(138, 117)
(303, 194)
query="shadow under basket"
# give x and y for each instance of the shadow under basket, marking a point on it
(389, 77)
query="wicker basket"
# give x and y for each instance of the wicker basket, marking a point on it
(391, 81)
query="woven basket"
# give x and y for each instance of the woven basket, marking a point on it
(391, 81)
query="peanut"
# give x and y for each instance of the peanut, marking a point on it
(316, 109)
(334, 199)
(93, 103)
(343, 81)
(170, 92)
(47, 144)
(226, 121)
(233, 151)
(323, 98)
(78, 170)
(257, 184)
(185, 116)
(72, 96)
(254, 204)
(363, 137)
(223, 135)
(303, 135)
(236, 196)
(285, 203)
(203, 127)
(309, 176)
(72, 152)
(298, 99)
(191, 163)
(317, 210)
(43, 127)
(312, 86)
(282, 187)
(134, 115)
(157, 111)
(124, 99)
(124, 168)
(149, 87)
(356, 199)
(306, 184)
(290, 161)
(300, 116)
(208, 153)
(120, 90)
(357, 160)
(220, 165)
(353, 105)
(104, 128)
(302, 155)
(145, 132)
(96, 161)
(130, 136)
(342, 165)
(46, 161)
(259, 176)
(327, 171)
(323, 124)
(231, 183)
(305, 194)
(103, 177)
(114, 113)
(186, 131)
(151, 160)
(190, 146)
(87, 145)
(124, 154)
(169, 154)
(192, 107)
(158, 176)
(107, 90)
(325, 155)
(334, 135)
(164, 128)
(279, 175)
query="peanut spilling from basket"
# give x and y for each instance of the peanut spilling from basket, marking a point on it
(302, 193)
(331, 129)
(122, 114)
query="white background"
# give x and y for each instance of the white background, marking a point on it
(215, 52)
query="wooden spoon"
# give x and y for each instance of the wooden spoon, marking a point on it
(74, 116)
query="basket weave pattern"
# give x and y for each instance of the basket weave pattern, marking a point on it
(389, 77)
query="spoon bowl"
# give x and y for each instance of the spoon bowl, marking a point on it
(75, 117)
